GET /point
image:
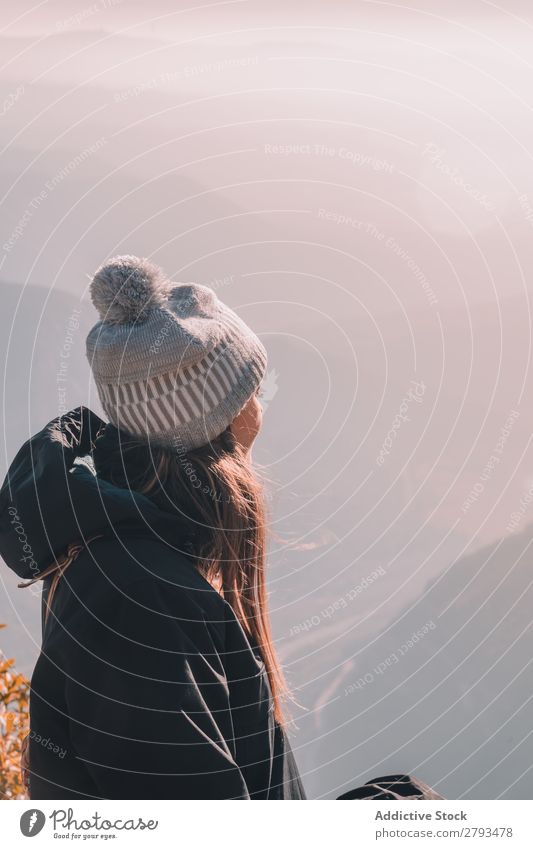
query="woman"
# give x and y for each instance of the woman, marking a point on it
(157, 676)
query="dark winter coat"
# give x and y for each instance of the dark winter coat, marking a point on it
(147, 685)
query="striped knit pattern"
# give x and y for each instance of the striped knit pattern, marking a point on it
(163, 405)
(172, 364)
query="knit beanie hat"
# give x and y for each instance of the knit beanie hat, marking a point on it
(172, 364)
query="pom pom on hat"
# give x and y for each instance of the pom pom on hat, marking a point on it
(126, 288)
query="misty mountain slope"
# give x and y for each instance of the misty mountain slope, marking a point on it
(443, 691)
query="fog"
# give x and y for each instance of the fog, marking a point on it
(355, 180)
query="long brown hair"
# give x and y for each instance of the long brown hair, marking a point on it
(219, 501)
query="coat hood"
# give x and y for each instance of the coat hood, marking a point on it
(52, 496)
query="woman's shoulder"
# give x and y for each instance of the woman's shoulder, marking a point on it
(133, 566)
